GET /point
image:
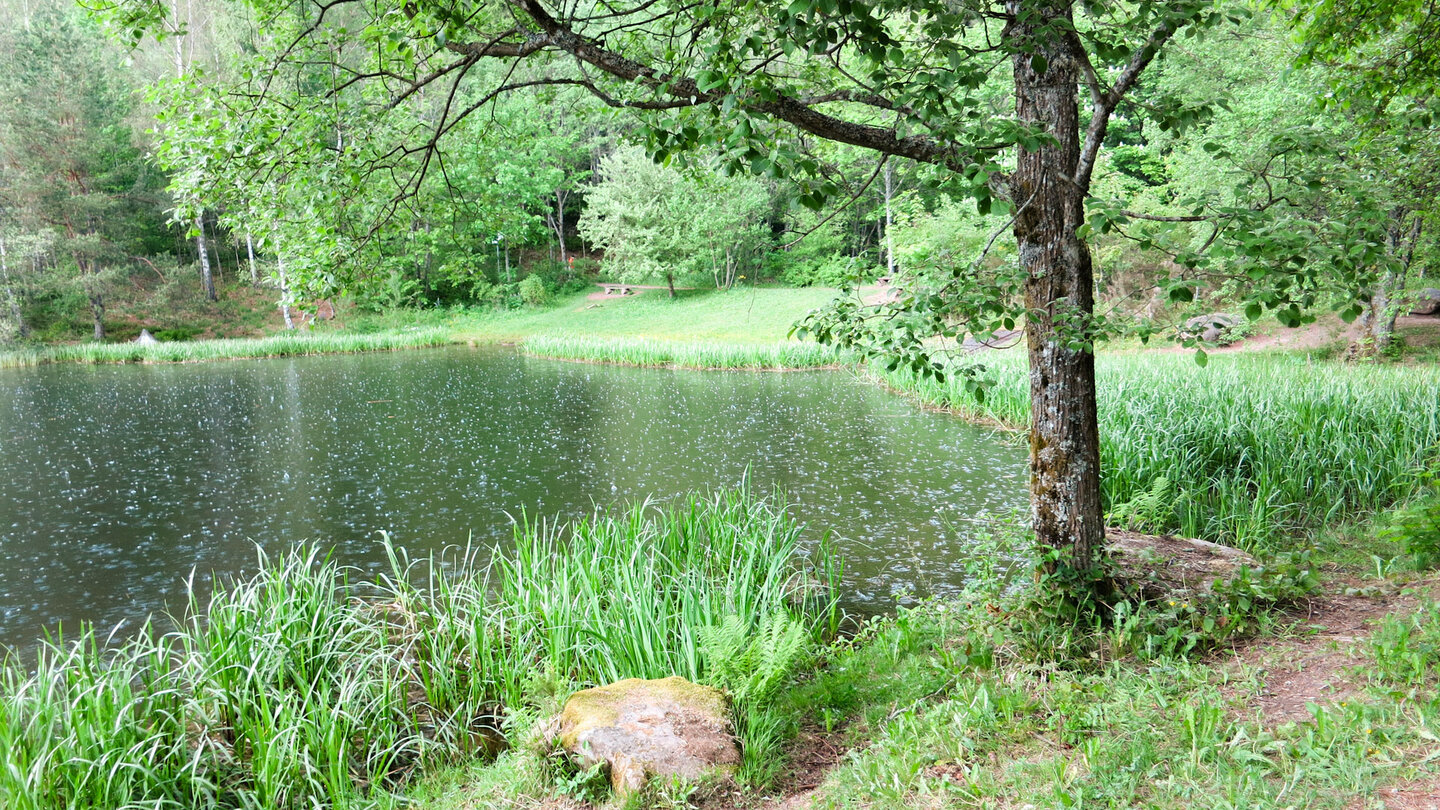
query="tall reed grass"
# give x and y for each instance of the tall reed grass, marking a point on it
(704, 355)
(1252, 448)
(300, 687)
(200, 350)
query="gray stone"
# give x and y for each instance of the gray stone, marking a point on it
(1211, 328)
(1427, 302)
(146, 339)
(641, 729)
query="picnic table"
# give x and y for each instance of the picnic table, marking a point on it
(618, 289)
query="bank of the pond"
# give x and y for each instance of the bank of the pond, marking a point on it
(302, 687)
(286, 345)
(993, 700)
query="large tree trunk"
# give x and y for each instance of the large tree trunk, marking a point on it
(1059, 294)
(1384, 306)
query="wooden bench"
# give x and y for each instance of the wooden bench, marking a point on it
(618, 289)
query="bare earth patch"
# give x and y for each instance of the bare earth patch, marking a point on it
(813, 755)
(1423, 794)
(810, 756)
(1314, 663)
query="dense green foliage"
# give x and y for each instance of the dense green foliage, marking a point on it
(302, 687)
(78, 201)
(1252, 448)
(656, 224)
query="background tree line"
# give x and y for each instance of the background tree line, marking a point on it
(126, 183)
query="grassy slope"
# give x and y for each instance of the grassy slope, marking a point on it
(745, 315)
(740, 325)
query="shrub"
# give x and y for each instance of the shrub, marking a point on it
(1416, 526)
(533, 291)
(830, 271)
(177, 333)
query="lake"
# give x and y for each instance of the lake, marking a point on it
(116, 482)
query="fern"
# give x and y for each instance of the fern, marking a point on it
(1150, 511)
(752, 666)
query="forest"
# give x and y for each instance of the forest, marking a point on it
(237, 157)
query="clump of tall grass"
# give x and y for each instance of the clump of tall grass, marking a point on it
(300, 687)
(1254, 447)
(286, 345)
(711, 355)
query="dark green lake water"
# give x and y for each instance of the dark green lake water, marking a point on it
(117, 481)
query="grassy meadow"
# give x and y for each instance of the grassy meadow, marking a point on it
(688, 354)
(740, 315)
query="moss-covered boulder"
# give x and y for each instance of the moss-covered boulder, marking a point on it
(641, 729)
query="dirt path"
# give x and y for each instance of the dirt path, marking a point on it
(1313, 661)
(1318, 662)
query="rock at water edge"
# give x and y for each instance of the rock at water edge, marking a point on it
(642, 729)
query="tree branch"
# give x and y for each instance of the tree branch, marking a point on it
(686, 92)
(1105, 102)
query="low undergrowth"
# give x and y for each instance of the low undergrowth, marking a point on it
(300, 687)
(1165, 733)
(708, 355)
(971, 703)
(286, 345)
(1251, 450)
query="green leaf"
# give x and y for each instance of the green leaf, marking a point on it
(1201, 358)
(1039, 64)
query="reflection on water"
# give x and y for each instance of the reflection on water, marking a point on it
(116, 482)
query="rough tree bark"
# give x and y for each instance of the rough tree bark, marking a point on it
(1059, 291)
(1384, 307)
